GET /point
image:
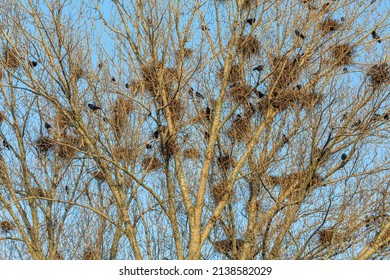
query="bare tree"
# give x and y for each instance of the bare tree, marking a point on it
(170, 129)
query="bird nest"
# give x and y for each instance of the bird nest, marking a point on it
(7, 226)
(37, 192)
(124, 153)
(294, 179)
(169, 147)
(191, 153)
(284, 98)
(239, 129)
(285, 71)
(151, 164)
(123, 107)
(186, 52)
(248, 45)
(158, 78)
(177, 110)
(379, 75)
(44, 144)
(90, 254)
(2, 117)
(219, 190)
(225, 162)
(69, 146)
(327, 237)
(343, 54)
(235, 74)
(226, 246)
(62, 121)
(329, 25)
(240, 92)
(98, 175)
(10, 58)
(76, 72)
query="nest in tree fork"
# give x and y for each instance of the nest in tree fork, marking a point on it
(343, 54)
(285, 71)
(98, 175)
(329, 25)
(191, 153)
(169, 147)
(151, 164)
(186, 52)
(76, 72)
(69, 146)
(158, 78)
(177, 110)
(10, 58)
(124, 153)
(123, 107)
(379, 75)
(44, 144)
(7, 226)
(37, 192)
(248, 45)
(240, 129)
(240, 92)
(90, 254)
(225, 162)
(235, 74)
(226, 246)
(327, 237)
(219, 190)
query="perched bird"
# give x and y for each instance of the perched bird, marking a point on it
(47, 126)
(206, 135)
(376, 36)
(100, 65)
(127, 85)
(191, 91)
(285, 139)
(343, 157)
(113, 79)
(148, 146)
(67, 189)
(345, 70)
(6, 144)
(208, 113)
(298, 87)
(33, 63)
(93, 107)
(156, 134)
(386, 116)
(259, 68)
(205, 28)
(259, 94)
(197, 94)
(250, 21)
(299, 34)
(357, 123)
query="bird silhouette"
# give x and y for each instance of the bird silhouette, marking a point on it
(259, 68)
(113, 79)
(205, 28)
(47, 125)
(206, 135)
(259, 94)
(345, 70)
(299, 34)
(6, 144)
(156, 134)
(376, 36)
(67, 189)
(127, 85)
(197, 94)
(33, 63)
(344, 157)
(285, 139)
(148, 146)
(208, 113)
(250, 21)
(93, 107)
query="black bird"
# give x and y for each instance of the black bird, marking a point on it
(47, 126)
(6, 144)
(33, 63)
(299, 34)
(113, 79)
(357, 123)
(156, 134)
(67, 189)
(126, 85)
(191, 91)
(376, 36)
(285, 139)
(259, 68)
(198, 94)
(93, 107)
(208, 113)
(345, 70)
(343, 157)
(386, 116)
(205, 28)
(259, 94)
(206, 135)
(299, 87)
(148, 146)
(250, 21)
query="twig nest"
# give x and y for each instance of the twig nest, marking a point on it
(285, 71)
(327, 237)
(219, 190)
(98, 175)
(76, 72)
(226, 246)
(37, 192)
(69, 146)
(329, 25)
(90, 254)
(239, 129)
(124, 153)
(379, 75)
(225, 162)
(191, 153)
(158, 78)
(187, 52)
(44, 144)
(7, 226)
(122, 108)
(235, 74)
(343, 54)
(248, 45)
(240, 92)
(151, 164)
(10, 58)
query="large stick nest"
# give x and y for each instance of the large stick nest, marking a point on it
(151, 164)
(90, 254)
(191, 153)
(379, 75)
(122, 108)
(124, 153)
(187, 52)
(329, 25)
(219, 190)
(235, 74)
(240, 129)
(343, 54)
(69, 146)
(76, 72)
(225, 162)
(10, 58)
(285, 71)
(158, 78)
(226, 246)
(240, 92)
(44, 144)
(7, 226)
(248, 45)
(327, 237)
